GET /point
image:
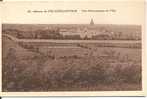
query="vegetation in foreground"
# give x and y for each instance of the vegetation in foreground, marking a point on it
(70, 69)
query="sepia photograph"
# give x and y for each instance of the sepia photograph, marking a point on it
(71, 57)
(75, 47)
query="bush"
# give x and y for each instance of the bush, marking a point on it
(128, 74)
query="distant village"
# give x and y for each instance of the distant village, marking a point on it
(74, 32)
(85, 32)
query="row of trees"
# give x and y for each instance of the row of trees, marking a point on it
(55, 34)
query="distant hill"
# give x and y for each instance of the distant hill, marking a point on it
(109, 27)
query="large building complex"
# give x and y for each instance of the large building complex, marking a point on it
(87, 31)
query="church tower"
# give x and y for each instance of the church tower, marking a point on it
(91, 22)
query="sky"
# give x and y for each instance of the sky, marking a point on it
(118, 12)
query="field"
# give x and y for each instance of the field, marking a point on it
(49, 66)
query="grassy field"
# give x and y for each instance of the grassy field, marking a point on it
(85, 68)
